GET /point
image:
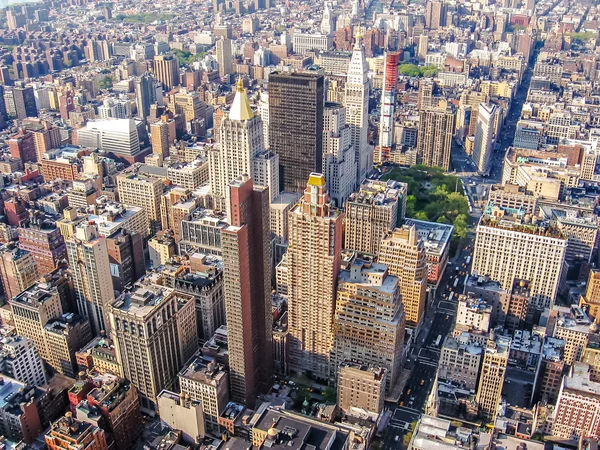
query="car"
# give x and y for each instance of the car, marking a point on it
(408, 392)
(401, 403)
(422, 382)
(447, 317)
(397, 438)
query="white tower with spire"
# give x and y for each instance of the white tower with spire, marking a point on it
(241, 139)
(357, 106)
(328, 21)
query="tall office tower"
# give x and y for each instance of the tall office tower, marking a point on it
(64, 337)
(18, 271)
(423, 47)
(434, 143)
(404, 254)
(166, 70)
(45, 137)
(88, 258)
(388, 101)
(207, 382)
(247, 282)
(146, 94)
(491, 378)
(484, 137)
(296, 98)
(154, 332)
(314, 256)
(375, 209)
(32, 310)
(356, 100)
(67, 433)
(328, 21)
(204, 280)
(263, 109)
(20, 101)
(241, 140)
(520, 247)
(187, 103)
(339, 165)
(369, 320)
(159, 137)
(143, 191)
(435, 15)
(126, 258)
(224, 57)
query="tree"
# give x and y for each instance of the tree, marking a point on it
(409, 70)
(105, 83)
(329, 395)
(421, 215)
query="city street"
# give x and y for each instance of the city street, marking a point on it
(438, 322)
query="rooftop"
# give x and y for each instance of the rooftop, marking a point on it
(204, 370)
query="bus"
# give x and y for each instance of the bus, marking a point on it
(456, 282)
(468, 259)
(451, 296)
(438, 340)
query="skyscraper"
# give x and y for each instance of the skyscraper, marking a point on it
(224, 57)
(339, 164)
(314, 255)
(146, 94)
(371, 212)
(520, 248)
(241, 140)
(404, 254)
(484, 137)
(166, 70)
(435, 15)
(18, 271)
(357, 105)
(436, 127)
(88, 258)
(296, 126)
(154, 332)
(20, 101)
(388, 100)
(143, 191)
(247, 282)
(369, 319)
(159, 136)
(491, 378)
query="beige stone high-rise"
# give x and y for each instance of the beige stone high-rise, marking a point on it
(361, 386)
(491, 378)
(136, 189)
(372, 212)
(314, 255)
(404, 254)
(369, 320)
(154, 332)
(90, 265)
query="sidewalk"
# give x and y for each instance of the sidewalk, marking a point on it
(399, 388)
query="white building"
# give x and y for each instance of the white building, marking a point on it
(484, 137)
(509, 247)
(356, 100)
(339, 164)
(302, 42)
(119, 136)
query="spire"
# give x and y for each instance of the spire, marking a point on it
(240, 108)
